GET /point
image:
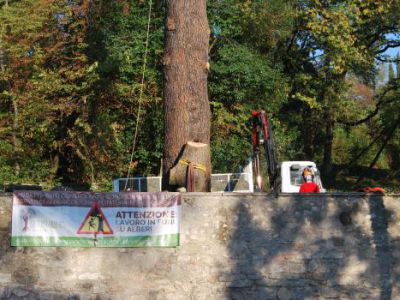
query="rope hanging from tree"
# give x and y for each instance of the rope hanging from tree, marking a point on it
(140, 94)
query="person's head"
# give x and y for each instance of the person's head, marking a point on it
(308, 175)
(308, 178)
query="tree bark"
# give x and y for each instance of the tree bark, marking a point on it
(384, 144)
(186, 108)
(328, 143)
(15, 138)
(308, 135)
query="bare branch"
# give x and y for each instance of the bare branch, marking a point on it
(378, 154)
(386, 46)
(385, 60)
(380, 102)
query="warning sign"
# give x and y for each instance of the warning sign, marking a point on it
(95, 222)
(86, 219)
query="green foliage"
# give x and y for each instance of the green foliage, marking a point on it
(117, 42)
(71, 74)
(332, 41)
(69, 93)
(244, 76)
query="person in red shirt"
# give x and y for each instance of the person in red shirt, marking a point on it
(308, 185)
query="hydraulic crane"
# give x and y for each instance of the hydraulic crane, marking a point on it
(262, 135)
(283, 177)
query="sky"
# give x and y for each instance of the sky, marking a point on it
(393, 51)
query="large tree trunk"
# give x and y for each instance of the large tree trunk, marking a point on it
(186, 108)
(328, 143)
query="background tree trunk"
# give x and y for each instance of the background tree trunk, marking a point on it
(186, 108)
(328, 144)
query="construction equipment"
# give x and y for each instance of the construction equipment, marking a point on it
(262, 135)
(285, 177)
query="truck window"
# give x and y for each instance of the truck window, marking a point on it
(295, 177)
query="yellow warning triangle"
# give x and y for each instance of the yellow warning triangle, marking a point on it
(95, 222)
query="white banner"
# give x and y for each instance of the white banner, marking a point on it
(75, 219)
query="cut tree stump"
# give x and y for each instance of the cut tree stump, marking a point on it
(195, 159)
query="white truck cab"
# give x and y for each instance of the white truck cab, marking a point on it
(291, 175)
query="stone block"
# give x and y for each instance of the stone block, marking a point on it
(5, 292)
(239, 283)
(5, 278)
(90, 276)
(85, 286)
(333, 292)
(20, 292)
(284, 294)
(52, 296)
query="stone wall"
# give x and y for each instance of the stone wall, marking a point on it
(233, 246)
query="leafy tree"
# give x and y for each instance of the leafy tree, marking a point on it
(118, 44)
(333, 39)
(244, 76)
(23, 142)
(70, 91)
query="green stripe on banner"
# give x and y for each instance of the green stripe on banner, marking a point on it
(168, 240)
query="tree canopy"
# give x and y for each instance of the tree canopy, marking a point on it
(71, 82)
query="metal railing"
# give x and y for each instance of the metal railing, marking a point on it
(139, 184)
(226, 182)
